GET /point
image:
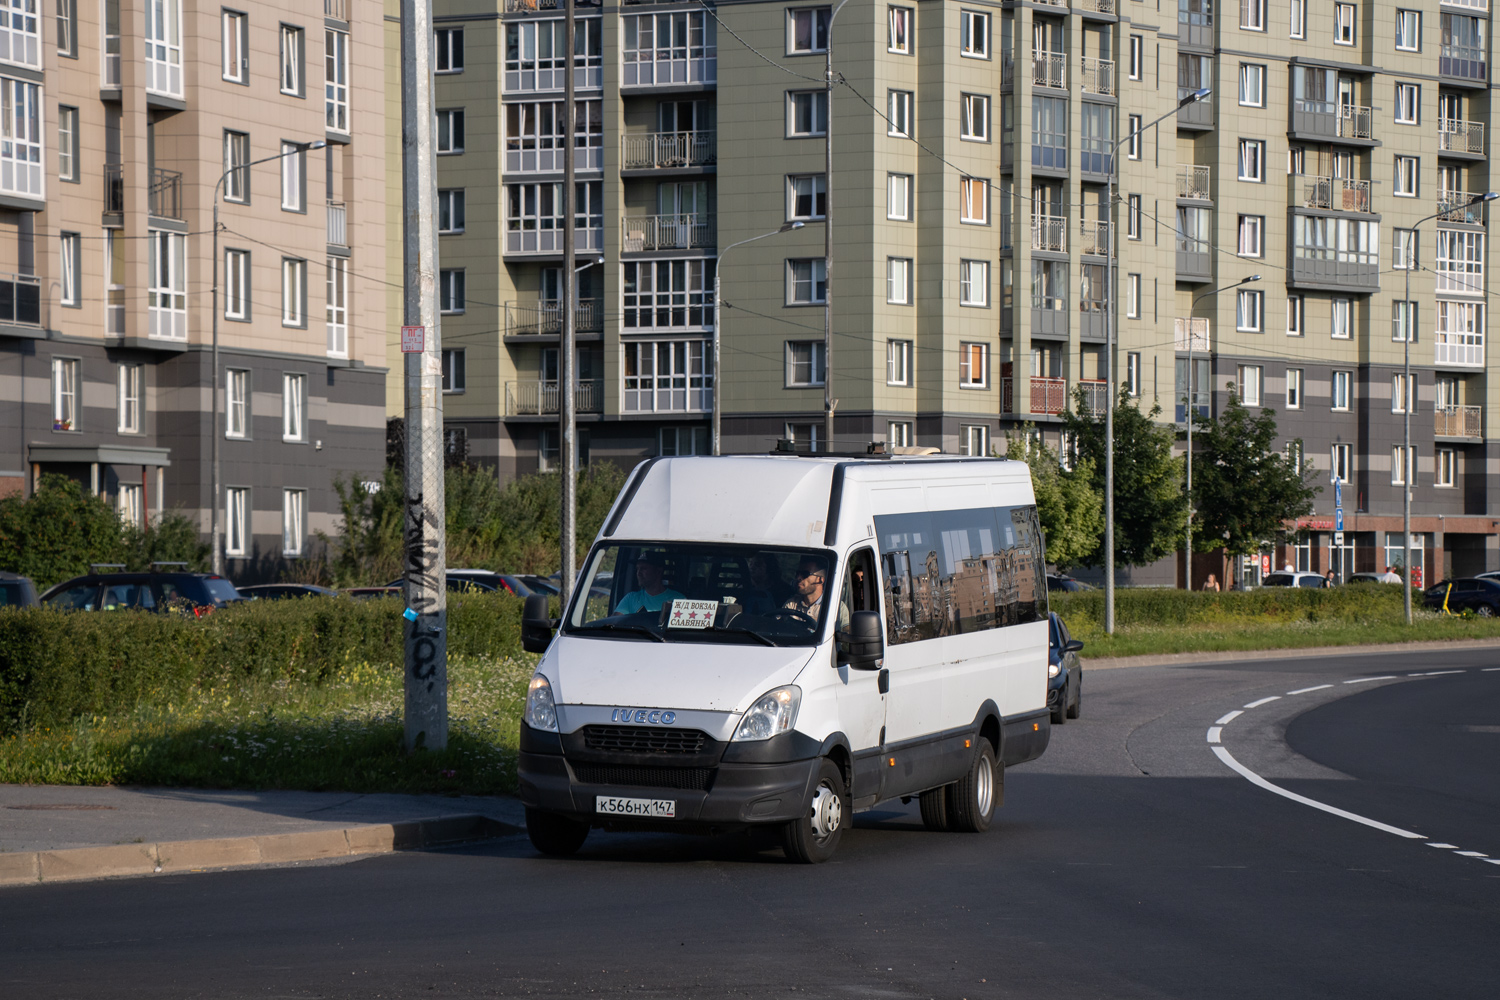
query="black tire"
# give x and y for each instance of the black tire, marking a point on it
(1484, 611)
(555, 835)
(1060, 708)
(935, 809)
(971, 799)
(814, 837)
(1076, 709)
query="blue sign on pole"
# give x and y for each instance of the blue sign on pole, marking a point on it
(1338, 494)
(1338, 519)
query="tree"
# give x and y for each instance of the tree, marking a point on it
(1070, 510)
(58, 531)
(1150, 508)
(1245, 491)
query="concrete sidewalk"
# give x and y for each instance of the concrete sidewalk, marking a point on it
(54, 833)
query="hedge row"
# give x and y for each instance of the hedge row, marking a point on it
(1164, 607)
(56, 666)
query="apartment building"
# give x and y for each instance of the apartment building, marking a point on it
(124, 124)
(973, 145)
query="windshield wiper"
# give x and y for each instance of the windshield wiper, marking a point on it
(750, 632)
(643, 629)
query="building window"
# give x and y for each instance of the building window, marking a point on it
(898, 37)
(237, 284)
(336, 318)
(898, 362)
(454, 377)
(973, 366)
(1460, 262)
(293, 177)
(1295, 326)
(1252, 160)
(65, 394)
(1251, 229)
(1340, 391)
(1248, 311)
(973, 34)
(898, 115)
(974, 200)
(293, 521)
(293, 407)
(1404, 249)
(114, 282)
(974, 117)
(236, 520)
(1132, 296)
(1343, 319)
(70, 259)
(898, 197)
(1403, 464)
(804, 363)
(166, 295)
(67, 143)
(1294, 388)
(1049, 285)
(1133, 217)
(451, 211)
(1401, 399)
(292, 58)
(668, 294)
(21, 152)
(450, 130)
(236, 169)
(807, 196)
(694, 440)
(898, 433)
(1447, 468)
(1409, 30)
(234, 27)
(1248, 379)
(451, 290)
(1137, 56)
(1406, 177)
(1344, 15)
(1341, 462)
(67, 28)
(1298, 20)
(236, 403)
(1403, 321)
(806, 281)
(128, 504)
(898, 281)
(1133, 373)
(975, 440)
(450, 50)
(1408, 103)
(1097, 137)
(21, 33)
(336, 80)
(807, 30)
(668, 376)
(974, 283)
(806, 112)
(1049, 132)
(293, 292)
(1253, 15)
(128, 408)
(1133, 139)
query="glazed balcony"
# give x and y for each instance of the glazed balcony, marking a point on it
(20, 300)
(1328, 120)
(1463, 62)
(1457, 349)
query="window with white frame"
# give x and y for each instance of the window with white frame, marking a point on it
(234, 30)
(807, 196)
(336, 319)
(1403, 465)
(236, 167)
(67, 28)
(455, 377)
(898, 33)
(450, 130)
(898, 112)
(1248, 311)
(1408, 104)
(974, 117)
(1252, 160)
(805, 363)
(973, 34)
(451, 211)
(293, 521)
(1250, 382)
(1407, 169)
(293, 177)
(237, 284)
(166, 293)
(898, 362)
(1251, 231)
(898, 433)
(1294, 388)
(898, 280)
(1403, 394)
(1460, 262)
(336, 80)
(293, 406)
(1341, 462)
(1344, 19)
(1403, 249)
(293, 292)
(21, 33)
(803, 437)
(21, 148)
(1340, 390)
(973, 366)
(236, 520)
(806, 113)
(65, 394)
(667, 294)
(67, 143)
(128, 392)
(1137, 64)
(806, 281)
(898, 197)
(1295, 316)
(1253, 15)
(665, 376)
(1447, 468)
(974, 200)
(450, 50)
(807, 29)
(451, 290)
(1133, 138)
(1132, 296)
(292, 60)
(1403, 321)
(1298, 19)
(1342, 315)
(973, 282)
(1133, 373)
(1409, 30)
(974, 440)
(1133, 217)
(69, 258)
(1296, 457)
(236, 403)
(114, 282)
(128, 504)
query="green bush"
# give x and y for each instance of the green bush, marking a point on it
(56, 667)
(1159, 606)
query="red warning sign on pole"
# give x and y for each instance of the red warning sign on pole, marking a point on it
(413, 339)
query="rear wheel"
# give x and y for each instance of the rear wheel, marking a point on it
(1060, 707)
(553, 834)
(935, 809)
(814, 837)
(971, 799)
(1485, 611)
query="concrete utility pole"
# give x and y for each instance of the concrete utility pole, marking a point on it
(426, 631)
(828, 400)
(567, 417)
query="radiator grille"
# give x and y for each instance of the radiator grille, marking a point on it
(688, 778)
(643, 739)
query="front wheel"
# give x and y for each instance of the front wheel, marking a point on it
(971, 799)
(1484, 611)
(1076, 709)
(814, 837)
(553, 834)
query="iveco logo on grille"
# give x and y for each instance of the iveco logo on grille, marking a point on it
(654, 717)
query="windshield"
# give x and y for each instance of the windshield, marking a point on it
(703, 592)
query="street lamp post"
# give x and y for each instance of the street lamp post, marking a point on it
(1187, 576)
(1406, 404)
(1109, 364)
(216, 527)
(718, 268)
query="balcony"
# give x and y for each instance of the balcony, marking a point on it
(338, 224)
(684, 53)
(20, 300)
(1049, 69)
(1050, 233)
(1048, 395)
(1095, 237)
(1457, 349)
(1476, 5)
(1095, 394)
(1195, 23)
(1453, 206)
(1101, 6)
(1099, 74)
(164, 199)
(1052, 3)
(543, 397)
(544, 318)
(527, 239)
(1332, 194)
(1458, 422)
(1192, 182)
(1197, 114)
(336, 9)
(1463, 62)
(668, 232)
(1327, 120)
(114, 188)
(1461, 137)
(1194, 262)
(668, 150)
(527, 155)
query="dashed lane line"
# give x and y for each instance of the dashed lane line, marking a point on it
(1317, 687)
(1264, 701)
(1257, 780)
(1366, 680)
(1214, 733)
(1226, 720)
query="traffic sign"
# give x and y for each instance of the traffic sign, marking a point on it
(1338, 539)
(1338, 493)
(1338, 520)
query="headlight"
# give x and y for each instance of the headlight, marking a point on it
(773, 712)
(541, 712)
(1053, 670)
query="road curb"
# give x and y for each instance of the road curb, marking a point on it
(166, 857)
(1232, 656)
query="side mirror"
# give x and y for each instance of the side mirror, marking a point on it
(1073, 646)
(536, 626)
(862, 645)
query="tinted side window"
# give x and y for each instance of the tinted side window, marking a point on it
(10, 594)
(83, 597)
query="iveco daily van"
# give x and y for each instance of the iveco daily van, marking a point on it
(784, 641)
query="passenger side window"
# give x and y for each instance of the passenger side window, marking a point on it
(80, 598)
(859, 586)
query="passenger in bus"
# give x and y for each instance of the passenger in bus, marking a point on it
(650, 569)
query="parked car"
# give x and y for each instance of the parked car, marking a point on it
(200, 593)
(17, 591)
(1064, 673)
(366, 593)
(1364, 578)
(483, 580)
(1284, 579)
(1487, 576)
(1061, 581)
(1479, 595)
(284, 591)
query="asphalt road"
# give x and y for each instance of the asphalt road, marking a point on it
(1130, 861)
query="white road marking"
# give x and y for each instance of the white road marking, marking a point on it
(1472, 854)
(1257, 780)
(1267, 701)
(1439, 673)
(1229, 718)
(1214, 733)
(1489, 670)
(1493, 861)
(1444, 847)
(1317, 687)
(1366, 680)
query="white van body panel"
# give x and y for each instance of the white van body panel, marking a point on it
(753, 500)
